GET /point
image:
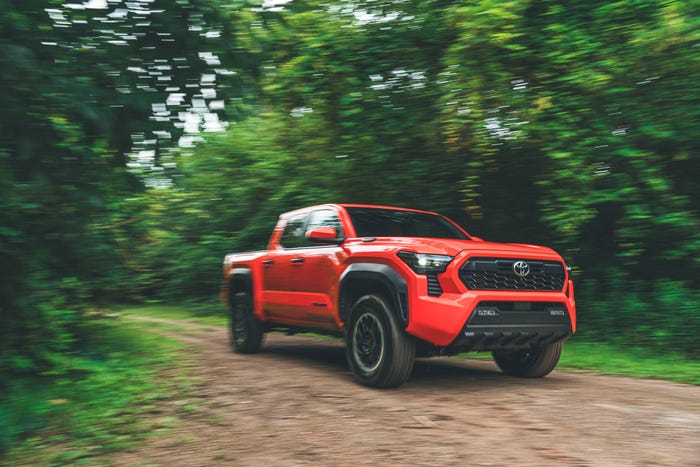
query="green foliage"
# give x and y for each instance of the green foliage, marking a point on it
(647, 314)
(78, 83)
(94, 403)
(230, 193)
(525, 121)
(360, 100)
(611, 359)
(569, 125)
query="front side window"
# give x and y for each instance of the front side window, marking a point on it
(325, 218)
(293, 234)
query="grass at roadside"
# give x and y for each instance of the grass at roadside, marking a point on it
(105, 399)
(615, 360)
(610, 359)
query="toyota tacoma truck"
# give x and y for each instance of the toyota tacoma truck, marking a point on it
(399, 283)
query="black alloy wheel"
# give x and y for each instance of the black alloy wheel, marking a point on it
(379, 352)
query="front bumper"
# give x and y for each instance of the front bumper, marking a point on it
(492, 320)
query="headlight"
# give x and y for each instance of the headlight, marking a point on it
(423, 263)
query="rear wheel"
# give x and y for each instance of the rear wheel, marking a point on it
(379, 352)
(531, 363)
(246, 331)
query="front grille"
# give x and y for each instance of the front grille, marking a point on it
(498, 274)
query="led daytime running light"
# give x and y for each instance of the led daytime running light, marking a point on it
(423, 263)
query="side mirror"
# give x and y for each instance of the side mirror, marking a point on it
(326, 235)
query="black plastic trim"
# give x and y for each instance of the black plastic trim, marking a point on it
(244, 275)
(509, 337)
(381, 273)
(503, 313)
(503, 325)
(434, 288)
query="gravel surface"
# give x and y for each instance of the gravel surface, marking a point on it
(296, 403)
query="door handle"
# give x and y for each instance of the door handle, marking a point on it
(297, 260)
(268, 261)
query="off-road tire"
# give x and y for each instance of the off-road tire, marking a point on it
(245, 331)
(379, 352)
(530, 363)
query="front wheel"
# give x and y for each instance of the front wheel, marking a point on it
(531, 363)
(246, 331)
(379, 352)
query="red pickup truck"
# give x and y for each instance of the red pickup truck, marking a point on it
(399, 283)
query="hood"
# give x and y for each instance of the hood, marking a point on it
(442, 246)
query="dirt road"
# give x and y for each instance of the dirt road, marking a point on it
(296, 403)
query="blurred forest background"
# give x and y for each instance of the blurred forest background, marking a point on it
(142, 140)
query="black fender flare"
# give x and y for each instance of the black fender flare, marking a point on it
(240, 280)
(385, 277)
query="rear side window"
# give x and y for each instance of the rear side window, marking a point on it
(293, 234)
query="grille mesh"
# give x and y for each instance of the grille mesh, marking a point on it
(498, 274)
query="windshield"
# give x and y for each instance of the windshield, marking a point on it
(378, 222)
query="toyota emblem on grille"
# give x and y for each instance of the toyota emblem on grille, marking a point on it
(521, 268)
